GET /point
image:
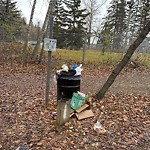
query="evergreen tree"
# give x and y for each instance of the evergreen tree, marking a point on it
(138, 14)
(124, 21)
(60, 24)
(115, 23)
(10, 19)
(76, 22)
(70, 24)
(143, 16)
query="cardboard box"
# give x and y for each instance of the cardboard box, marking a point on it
(85, 114)
(82, 108)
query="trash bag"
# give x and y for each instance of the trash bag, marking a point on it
(68, 74)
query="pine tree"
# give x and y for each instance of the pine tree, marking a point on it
(10, 18)
(60, 24)
(76, 22)
(144, 13)
(70, 24)
(115, 23)
(139, 16)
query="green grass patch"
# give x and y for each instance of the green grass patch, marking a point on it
(91, 57)
(13, 52)
(96, 58)
(142, 59)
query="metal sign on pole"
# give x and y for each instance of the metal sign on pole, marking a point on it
(50, 44)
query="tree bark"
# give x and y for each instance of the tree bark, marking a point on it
(46, 34)
(50, 10)
(29, 27)
(124, 61)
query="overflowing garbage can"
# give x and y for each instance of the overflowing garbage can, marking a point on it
(67, 84)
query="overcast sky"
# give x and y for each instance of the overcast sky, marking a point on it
(41, 8)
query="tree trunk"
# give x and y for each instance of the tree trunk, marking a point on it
(46, 34)
(49, 11)
(41, 54)
(29, 27)
(124, 61)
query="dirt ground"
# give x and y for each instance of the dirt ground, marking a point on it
(134, 82)
(24, 119)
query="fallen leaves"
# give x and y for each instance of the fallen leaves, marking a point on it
(25, 120)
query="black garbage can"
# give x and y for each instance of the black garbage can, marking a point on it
(66, 85)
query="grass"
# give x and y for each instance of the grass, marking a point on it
(142, 59)
(92, 57)
(109, 59)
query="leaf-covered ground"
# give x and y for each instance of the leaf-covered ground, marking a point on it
(124, 113)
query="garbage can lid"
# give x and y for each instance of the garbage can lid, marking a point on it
(68, 74)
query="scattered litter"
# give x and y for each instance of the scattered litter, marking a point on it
(54, 114)
(71, 112)
(78, 100)
(82, 108)
(85, 114)
(22, 148)
(99, 129)
(71, 128)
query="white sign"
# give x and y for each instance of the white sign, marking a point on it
(50, 44)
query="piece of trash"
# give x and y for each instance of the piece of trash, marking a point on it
(71, 128)
(78, 70)
(54, 114)
(81, 94)
(22, 148)
(74, 67)
(71, 112)
(99, 129)
(65, 67)
(84, 114)
(67, 71)
(77, 101)
(82, 108)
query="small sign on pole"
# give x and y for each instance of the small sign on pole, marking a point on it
(50, 44)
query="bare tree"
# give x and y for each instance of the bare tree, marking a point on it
(124, 61)
(46, 34)
(44, 27)
(29, 27)
(93, 8)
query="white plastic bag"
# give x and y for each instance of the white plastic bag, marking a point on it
(99, 129)
(78, 70)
